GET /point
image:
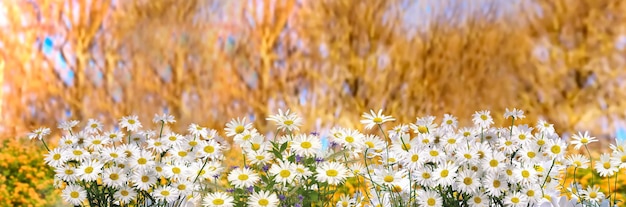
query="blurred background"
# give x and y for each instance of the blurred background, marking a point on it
(207, 61)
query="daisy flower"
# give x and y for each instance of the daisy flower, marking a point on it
(197, 130)
(351, 139)
(260, 157)
(165, 193)
(429, 198)
(125, 194)
(184, 187)
(332, 173)
(182, 154)
(143, 179)
(606, 166)
(208, 149)
(66, 173)
(78, 154)
(373, 142)
(67, 125)
(530, 154)
(525, 174)
(412, 159)
(545, 127)
(556, 148)
(507, 145)
(424, 176)
(96, 142)
(445, 174)
(482, 119)
(112, 154)
(89, 170)
(283, 172)
(522, 134)
(515, 199)
(619, 157)
(578, 161)
(55, 157)
(593, 194)
(67, 141)
(306, 145)
(114, 136)
(449, 122)
(371, 119)
(163, 118)
(581, 139)
(479, 200)
(467, 182)
(173, 139)
(434, 155)
(157, 146)
(467, 155)
(218, 199)
(242, 177)
(74, 195)
(93, 126)
(39, 133)
(515, 114)
(176, 171)
(114, 177)
(286, 121)
(131, 123)
(244, 137)
(263, 199)
(237, 126)
(494, 184)
(301, 171)
(389, 177)
(398, 130)
(450, 141)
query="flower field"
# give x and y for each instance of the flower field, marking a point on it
(428, 162)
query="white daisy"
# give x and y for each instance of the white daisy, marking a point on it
(306, 145)
(197, 131)
(351, 139)
(494, 184)
(467, 155)
(556, 148)
(606, 166)
(424, 176)
(114, 177)
(467, 182)
(449, 122)
(412, 159)
(263, 199)
(581, 139)
(372, 119)
(218, 199)
(93, 126)
(176, 171)
(66, 173)
(286, 121)
(389, 177)
(578, 161)
(68, 125)
(515, 114)
(332, 173)
(482, 119)
(525, 174)
(373, 142)
(163, 118)
(479, 200)
(89, 170)
(165, 193)
(182, 154)
(55, 157)
(242, 177)
(112, 154)
(260, 157)
(284, 172)
(78, 154)
(424, 125)
(593, 194)
(434, 155)
(619, 157)
(445, 174)
(143, 179)
(237, 126)
(131, 123)
(208, 149)
(157, 146)
(67, 141)
(96, 142)
(302, 172)
(39, 133)
(74, 195)
(515, 199)
(124, 195)
(173, 139)
(114, 136)
(184, 187)
(429, 198)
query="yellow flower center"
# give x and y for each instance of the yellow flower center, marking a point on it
(288, 122)
(173, 138)
(88, 169)
(525, 174)
(466, 134)
(260, 157)
(332, 173)
(477, 199)
(509, 172)
(577, 163)
(406, 146)
(349, 139)
(606, 165)
(193, 143)
(145, 179)
(305, 145)
(415, 158)
(69, 172)
(508, 143)
(530, 193)
(426, 175)
(531, 154)
(74, 194)
(388, 178)
(468, 181)
(165, 193)
(541, 142)
(176, 170)
(444, 173)
(434, 153)
(623, 158)
(77, 152)
(256, 146)
(142, 161)
(378, 120)
(56, 156)
(431, 201)
(182, 187)
(493, 163)
(467, 156)
(209, 149)
(449, 122)
(114, 176)
(515, 200)
(584, 140)
(242, 177)
(96, 141)
(156, 144)
(285, 173)
(556, 149)
(264, 202)
(496, 183)
(369, 144)
(218, 201)
(451, 141)
(94, 125)
(483, 117)
(239, 129)
(593, 195)
(422, 129)
(124, 192)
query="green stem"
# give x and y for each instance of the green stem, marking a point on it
(591, 159)
(45, 145)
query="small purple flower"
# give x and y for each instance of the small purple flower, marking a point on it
(319, 159)
(265, 168)
(315, 133)
(216, 176)
(298, 158)
(234, 167)
(230, 190)
(300, 197)
(298, 205)
(251, 189)
(333, 144)
(281, 197)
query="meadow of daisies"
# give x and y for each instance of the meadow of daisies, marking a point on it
(426, 163)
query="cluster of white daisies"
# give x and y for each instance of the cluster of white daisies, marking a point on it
(417, 164)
